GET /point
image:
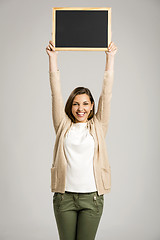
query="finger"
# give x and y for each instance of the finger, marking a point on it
(113, 47)
(113, 50)
(110, 45)
(51, 47)
(51, 42)
(47, 50)
(109, 48)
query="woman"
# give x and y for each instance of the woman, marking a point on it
(80, 173)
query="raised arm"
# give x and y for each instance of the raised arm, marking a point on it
(54, 76)
(103, 112)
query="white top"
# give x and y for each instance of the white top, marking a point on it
(79, 150)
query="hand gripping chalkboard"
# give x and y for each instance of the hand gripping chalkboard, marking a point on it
(81, 29)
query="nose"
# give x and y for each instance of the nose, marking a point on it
(80, 107)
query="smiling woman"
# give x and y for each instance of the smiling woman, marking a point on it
(80, 173)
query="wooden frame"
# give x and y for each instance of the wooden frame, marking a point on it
(76, 48)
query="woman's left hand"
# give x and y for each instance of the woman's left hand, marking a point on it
(112, 49)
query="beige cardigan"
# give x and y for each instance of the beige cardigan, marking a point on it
(98, 127)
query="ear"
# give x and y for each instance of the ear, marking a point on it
(92, 106)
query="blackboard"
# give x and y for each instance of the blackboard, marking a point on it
(81, 29)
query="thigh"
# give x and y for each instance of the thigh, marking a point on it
(66, 217)
(88, 220)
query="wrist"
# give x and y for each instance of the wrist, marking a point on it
(109, 55)
(53, 55)
(53, 58)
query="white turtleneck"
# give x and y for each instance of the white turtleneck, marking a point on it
(79, 150)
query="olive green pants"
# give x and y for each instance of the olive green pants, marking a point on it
(77, 214)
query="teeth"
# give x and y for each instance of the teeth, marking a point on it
(80, 113)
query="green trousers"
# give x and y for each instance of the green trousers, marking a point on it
(77, 214)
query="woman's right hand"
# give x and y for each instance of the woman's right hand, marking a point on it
(50, 49)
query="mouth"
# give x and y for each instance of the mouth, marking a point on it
(80, 114)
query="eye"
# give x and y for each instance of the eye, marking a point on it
(74, 104)
(85, 103)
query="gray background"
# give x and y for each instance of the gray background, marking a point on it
(131, 210)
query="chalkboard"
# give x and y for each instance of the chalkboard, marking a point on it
(82, 29)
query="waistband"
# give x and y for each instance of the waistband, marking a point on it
(81, 192)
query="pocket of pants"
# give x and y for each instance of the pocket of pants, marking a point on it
(55, 195)
(57, 199)
(101, 199)
(95, 200)
(99, 202)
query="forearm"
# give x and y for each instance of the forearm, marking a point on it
(57, 99)
(109, 62)
(53, 63)
(103, 111)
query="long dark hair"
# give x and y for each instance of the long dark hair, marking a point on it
(78, 91)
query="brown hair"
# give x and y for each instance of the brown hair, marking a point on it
(78, 91)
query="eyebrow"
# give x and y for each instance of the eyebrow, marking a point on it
(78, 102)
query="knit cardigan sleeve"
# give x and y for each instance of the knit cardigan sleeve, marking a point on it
(103, 111)
(58, 112)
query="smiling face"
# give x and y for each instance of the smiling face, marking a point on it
(81, 107)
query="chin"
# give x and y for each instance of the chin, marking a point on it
(81, 120)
